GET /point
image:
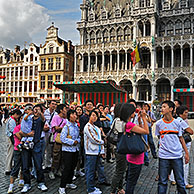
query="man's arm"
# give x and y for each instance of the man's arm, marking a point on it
(181, 139)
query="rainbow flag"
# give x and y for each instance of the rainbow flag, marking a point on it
(135, 55)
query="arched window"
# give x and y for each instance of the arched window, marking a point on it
(31, 57)
(187, 26)
(147, 28)
(170, 28)
(140, 27)
(162, 29)
(99, 36)
(105, 35)
(92, 37)
(112, 35)
(178, 27)
(119, 34)
(127, 33)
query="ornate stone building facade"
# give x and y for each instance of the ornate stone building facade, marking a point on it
(109, 31)
(20, 69)
(56, 65)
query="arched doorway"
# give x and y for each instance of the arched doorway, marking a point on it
(127, 85)
(163, 89)
(144, 90)
(181, 82)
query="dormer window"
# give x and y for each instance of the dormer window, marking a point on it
(51, 49)
(91, 17)
(183, 3)
(117, 13)
(104, 15)
(166, 5)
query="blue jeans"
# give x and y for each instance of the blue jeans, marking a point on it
(151, 142)
(146, 158)
(165, 167)
(36, 153)
(33, 172)
(134, 171)
(93, 163)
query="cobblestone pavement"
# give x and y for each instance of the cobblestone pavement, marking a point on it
(146, 183)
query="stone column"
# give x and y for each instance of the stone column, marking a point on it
(32, 88)
(181, 56)
(102, 64)
(22, 88)
(88, 64)
(163, 57)
(75, 61)
(172, 59)
(126, 60)
(118, 62)
(18, 92)
(110, 61)
(153, 90)
(144, 30)
(33, 73)
(153, 59)
(82, 67)
(191, 57)
(134, 91)
(172, 93)
(96, 67)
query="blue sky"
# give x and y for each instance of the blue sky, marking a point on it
(65, 14)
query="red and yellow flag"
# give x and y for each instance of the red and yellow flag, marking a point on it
(135, 56)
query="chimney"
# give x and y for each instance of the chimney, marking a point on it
(69, 46)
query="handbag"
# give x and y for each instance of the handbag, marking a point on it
(112, 135)
(187, 137)
(58, 137)
(130, 143)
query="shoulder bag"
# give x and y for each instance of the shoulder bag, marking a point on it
(58, 137)
(112, 135)
(131, 143)
(51, 137)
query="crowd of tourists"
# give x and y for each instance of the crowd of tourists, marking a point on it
(71, 140)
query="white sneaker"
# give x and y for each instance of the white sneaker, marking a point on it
(71, 186)
(74, 177)
(26, 188)
(42, 187)
(51, 175)
(80, 173)
(61, 190)
(21, 183)
(10, 190)
(95, 192)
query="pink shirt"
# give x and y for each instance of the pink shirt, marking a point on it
(57, 121)
(134, 158)
(16, 140)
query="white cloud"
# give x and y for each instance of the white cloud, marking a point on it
(20, 20)
(63, 11)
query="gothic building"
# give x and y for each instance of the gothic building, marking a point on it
(109, 31)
